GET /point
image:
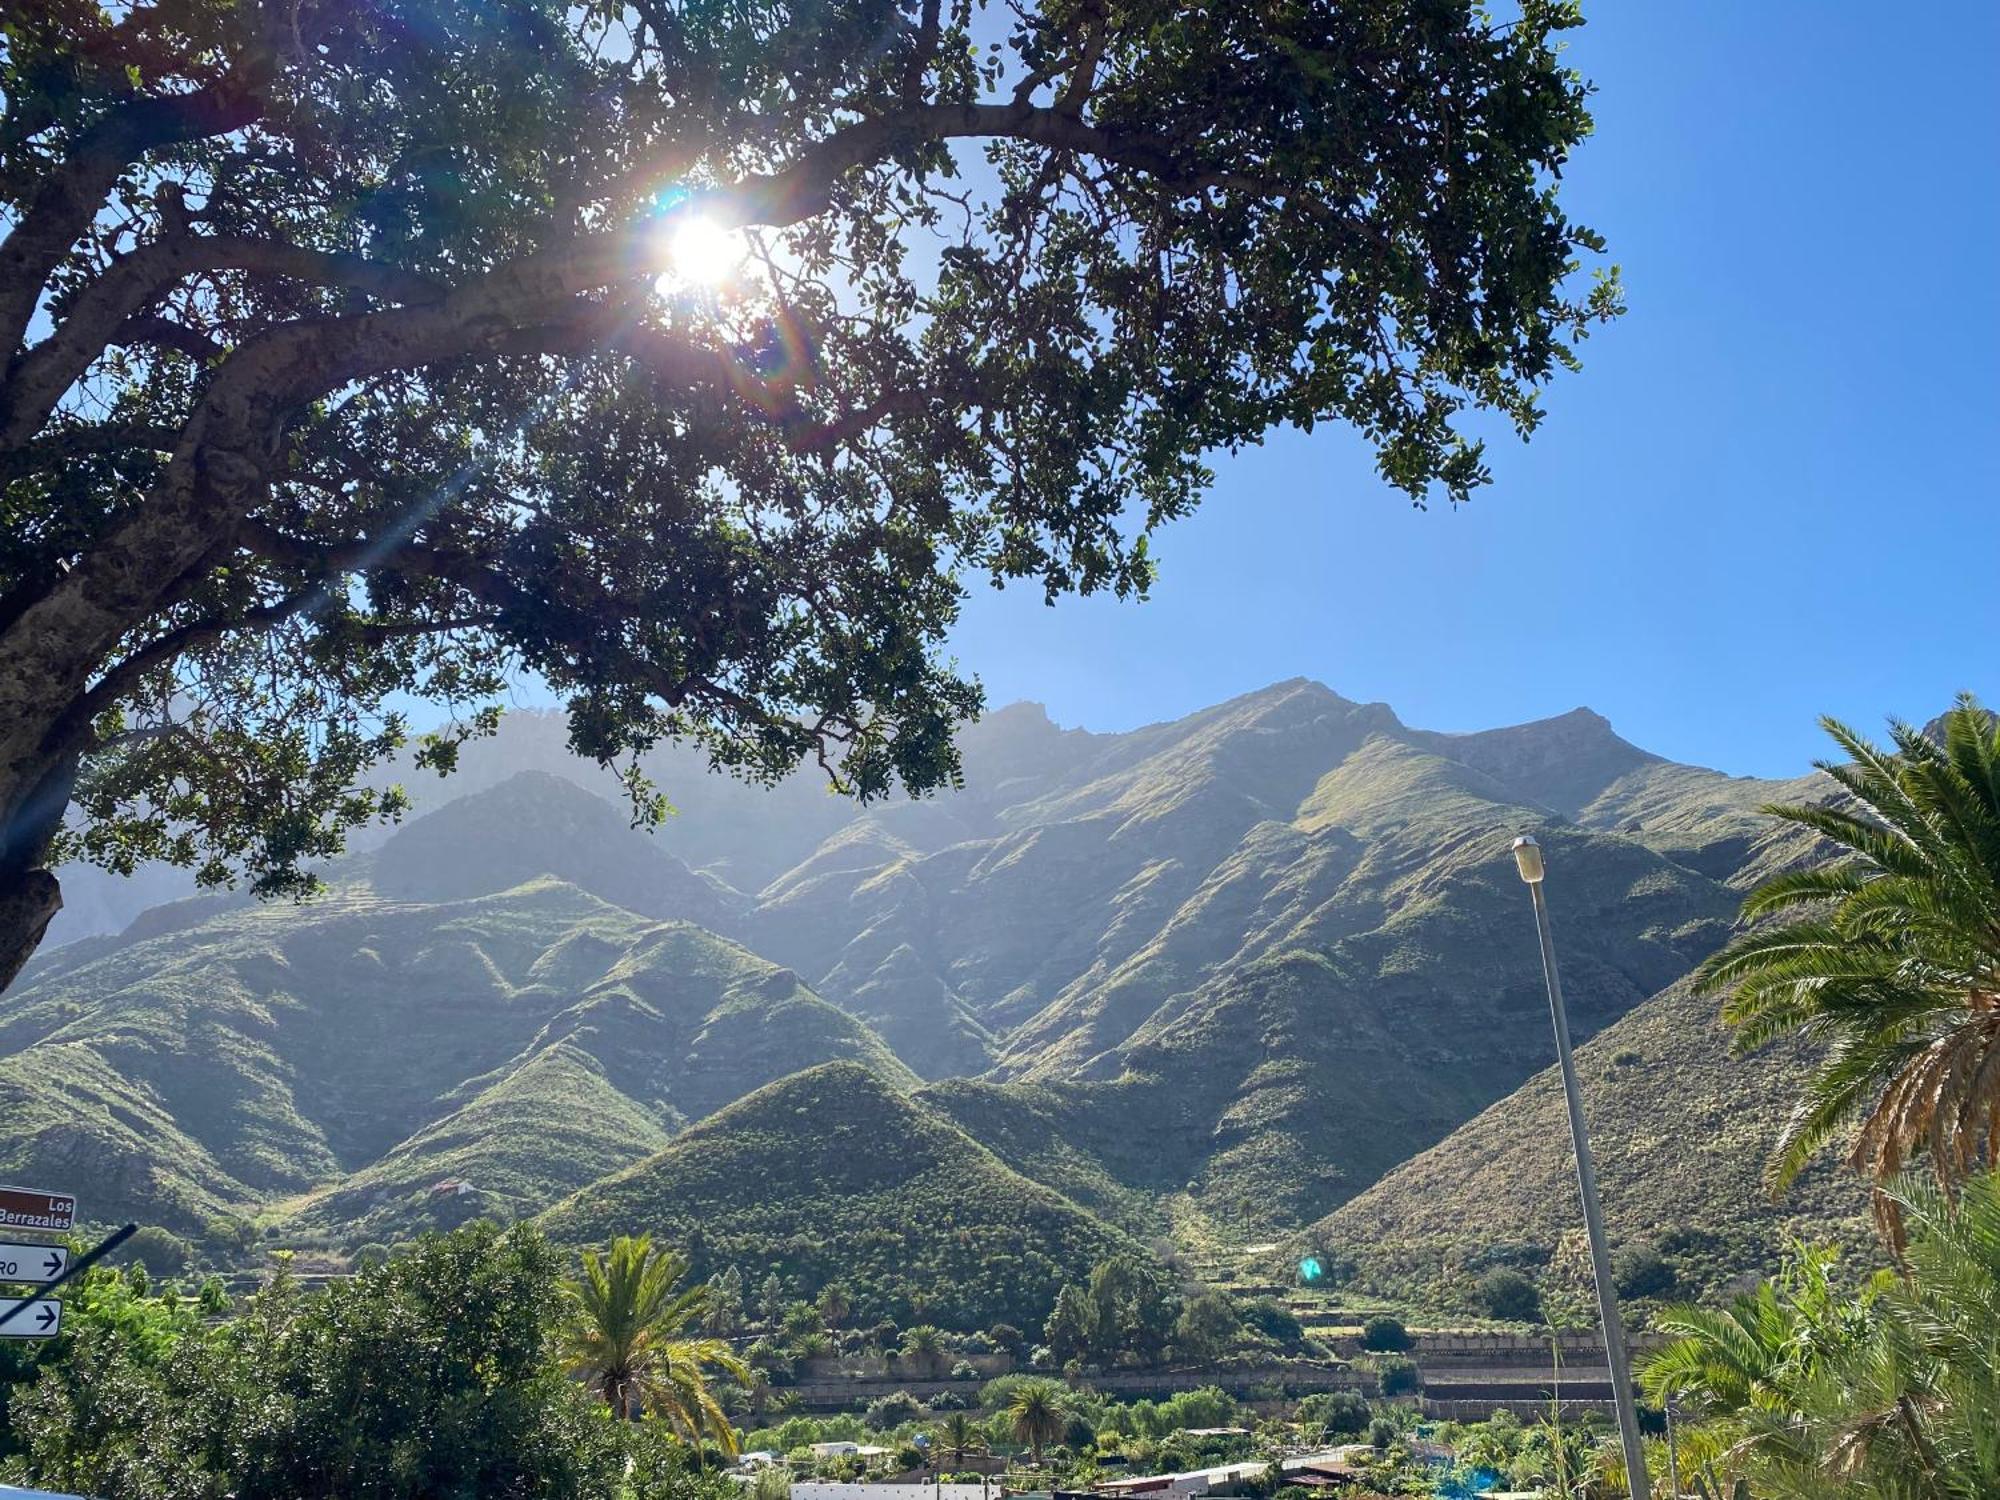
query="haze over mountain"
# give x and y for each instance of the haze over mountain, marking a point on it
(1244, 965)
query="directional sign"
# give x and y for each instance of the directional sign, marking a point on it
(36, 1263)
(42, 1320)
(31, 1208)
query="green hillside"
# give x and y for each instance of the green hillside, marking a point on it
(1680, 1131)
(835, 1175)
(271, 1051)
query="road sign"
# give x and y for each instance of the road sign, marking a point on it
(41, 1320)
(35, 1263)
(31, 1208)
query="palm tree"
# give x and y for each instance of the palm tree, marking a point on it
(1037, 1414)
(833, 1304)
(924, 1345)
(630, 1333)
(1807, 1393)
(955, 1437)
(1889, 954)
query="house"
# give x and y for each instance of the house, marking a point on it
(452, 1187)
(849, 1450)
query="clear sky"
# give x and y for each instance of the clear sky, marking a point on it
(1770, 494)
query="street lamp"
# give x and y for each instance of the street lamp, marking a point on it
(1528, 860)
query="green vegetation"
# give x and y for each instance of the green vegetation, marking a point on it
(1888, 953)
(436, 1374)
(835, 1175)
(1805, 1389)
(630, 1337)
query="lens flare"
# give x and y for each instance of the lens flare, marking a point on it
(700, 252)
(1310, 1270)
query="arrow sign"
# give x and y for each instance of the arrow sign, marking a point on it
(42, 1318)
(32, 1208)
(33, 1263)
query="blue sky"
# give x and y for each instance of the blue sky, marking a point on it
(1770, 494)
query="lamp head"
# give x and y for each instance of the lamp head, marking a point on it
(1528, 859)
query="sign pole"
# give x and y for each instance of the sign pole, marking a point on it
(76, 1268)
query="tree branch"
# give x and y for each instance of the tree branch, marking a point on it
(93, 320)
(71, 197)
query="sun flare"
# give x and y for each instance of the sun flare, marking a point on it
(700, 253)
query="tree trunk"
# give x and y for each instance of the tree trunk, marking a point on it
(30, 894)
(29, 900)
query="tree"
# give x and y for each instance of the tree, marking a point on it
(1803, 1389)
(1384, 1332)
(431, 1376)
(1335, 1413)
(1889, 954)
(340, 365)
(1507, 1294)
(630, 1336)
(834, 1305)
(723, 1315)
(1207, 1325)
(1035, 1415)
(1071, 1330)
(1641, 1271)
(955, 1435)
(924, 1346)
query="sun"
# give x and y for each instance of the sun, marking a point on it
(700, 252)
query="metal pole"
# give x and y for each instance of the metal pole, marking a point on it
(1673, 1455)
(1593, 1218)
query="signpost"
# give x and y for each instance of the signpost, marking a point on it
(30, 1317)
(31, 1208)
(33, 1264)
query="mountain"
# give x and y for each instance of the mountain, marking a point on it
(835, 1175)
(1680, 1131)
(1281, 941)
(1224, 974)
(357, 1049)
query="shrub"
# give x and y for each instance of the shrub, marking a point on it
(1384, 1333)
(161, 1251)
(965, 1369)
(1339, 1413)
(1626, 1058)
(1381, 1433)
(1398, 1376)
(1007, 1337)
(892, 1410)
(1641, 1271)
(1510, 1295)
(369, 1254)
(1274, 1320)
(948, 1401)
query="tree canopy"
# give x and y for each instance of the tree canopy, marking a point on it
(686, 358)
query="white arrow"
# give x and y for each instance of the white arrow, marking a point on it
(32, 1263)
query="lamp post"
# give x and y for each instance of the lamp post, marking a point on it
(1528, 859)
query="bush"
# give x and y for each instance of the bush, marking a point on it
(1510, 1295)
(1640, 1271)
(1339, 1413)
(160, 1251)
(370, 1254)
(1384, 1333)
(949, 1401)
(965, 1369)
(1270, 1317)
(1381, 1433)
(892, 1410)
(1007, 1338)
(1398, 1376)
